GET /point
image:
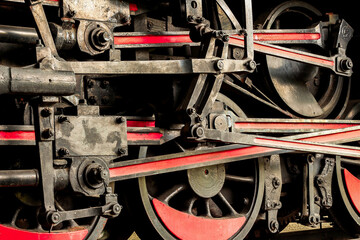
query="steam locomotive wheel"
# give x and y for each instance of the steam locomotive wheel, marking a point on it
(211, 202)
(346, 207)
(215, 202)
(306, 90)
(22, 218)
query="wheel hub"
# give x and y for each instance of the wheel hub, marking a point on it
(207, 181)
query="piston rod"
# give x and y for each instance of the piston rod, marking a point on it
(14, 80)
(15, 34)
(19, 178)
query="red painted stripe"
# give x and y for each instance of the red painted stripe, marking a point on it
(135, 123)
(133, 7)
(289, 54)
(308, 146)
(291, 126)
(151, 39)
(335, 137)
(353, 185)
(161, 39)
(144, 136)
(188, 227)
(17, 135)
(185, 161)
(286, 36)
(30, 135)
(9, 233)
(211, 157)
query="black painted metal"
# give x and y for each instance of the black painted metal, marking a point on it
(19, 178)
(79, 145)
(12, 34)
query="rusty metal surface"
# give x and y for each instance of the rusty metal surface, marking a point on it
(90, 136)
(80, 149)
(99, 10)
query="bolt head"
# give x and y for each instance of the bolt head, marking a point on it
(104, 37)
(122, 151)
(63, 119)
(251, 65)
(190, 18)
(191, 111)
(46, 112)
(103, 174)
(120, 119)
(346, 64)
(116, 209)
(54, 218)
(200, 19)
(274, 226)
(91, 83)
(92, 100)
(314, 220)
(199, 119)
(199, 132)
(47, 133)
(226, 38)
(63, 152)
(104, 84)
(311, 158)
(219, 65)
(276, 182)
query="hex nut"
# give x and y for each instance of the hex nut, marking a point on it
(219, 65)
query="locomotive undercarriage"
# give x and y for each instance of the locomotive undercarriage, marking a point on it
(176, 119)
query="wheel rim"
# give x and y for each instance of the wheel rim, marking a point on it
(14, 233)
(180, 213)
(310, 91)
(354, 113)
(352, 185)
(346, 207)
(22, 219)
(11, 231)
(208, 202)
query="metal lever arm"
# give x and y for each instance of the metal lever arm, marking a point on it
(42, 25)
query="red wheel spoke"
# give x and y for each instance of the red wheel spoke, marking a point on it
(189, 227)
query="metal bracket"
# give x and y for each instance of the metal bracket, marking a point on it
(219, 155)
(193, 8)
(323, 182)
(44, 129)
(111, 208)
(42, 25)
(197, 104)
(273, 185)
(310, 210)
